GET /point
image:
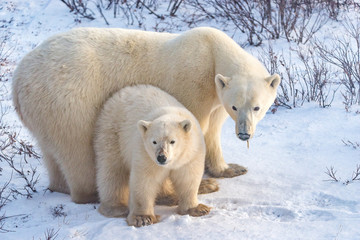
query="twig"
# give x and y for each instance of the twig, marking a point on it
(151, 11)
(356, 174)
(332, 174)
(99, 8)
(5, 199)
(2, 223)
(351, 144)
(51, 234)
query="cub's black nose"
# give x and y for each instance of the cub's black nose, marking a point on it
(161, 159)
(244, 136)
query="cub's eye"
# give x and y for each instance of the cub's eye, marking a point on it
(234, 108)
(154, 142)
(256, 108)
(172, 142)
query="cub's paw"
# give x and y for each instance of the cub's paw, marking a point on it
(198, 211)
(142, 220)
(208, 185)
(232, 171)
(113, 211)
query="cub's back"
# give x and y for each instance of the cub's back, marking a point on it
(140, 102)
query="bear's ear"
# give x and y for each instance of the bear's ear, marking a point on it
(221, 81)
(186, 125)
(143, 126)
(273, 80)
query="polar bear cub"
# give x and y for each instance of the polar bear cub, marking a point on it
(144, 137)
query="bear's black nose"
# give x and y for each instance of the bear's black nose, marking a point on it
(244, 136)
(161, 159)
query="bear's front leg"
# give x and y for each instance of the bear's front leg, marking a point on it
(215, 164)
(144, 186)
(186, 181)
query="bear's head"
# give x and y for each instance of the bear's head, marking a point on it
(166, 140)
(246, 101)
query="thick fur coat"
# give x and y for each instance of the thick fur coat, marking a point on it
(60, 87)
(143, 138)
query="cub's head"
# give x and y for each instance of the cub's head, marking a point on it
(246, 101)
(166, 140)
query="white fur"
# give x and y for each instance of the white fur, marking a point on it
(60, 86)
(136, 125)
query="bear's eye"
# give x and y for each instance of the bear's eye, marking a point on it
(234, 108)
(256, 108)
(154, 142)
(172, 142)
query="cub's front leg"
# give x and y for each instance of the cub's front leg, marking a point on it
(144, 186)
(186, 182)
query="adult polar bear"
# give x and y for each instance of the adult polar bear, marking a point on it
(60, 86)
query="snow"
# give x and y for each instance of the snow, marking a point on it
(286, 193)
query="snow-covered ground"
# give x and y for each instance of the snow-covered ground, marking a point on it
(286, 193)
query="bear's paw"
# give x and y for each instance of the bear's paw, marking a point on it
(208, 185)
(198, 211)
(113, 211)
(232, 171)
(142, 220)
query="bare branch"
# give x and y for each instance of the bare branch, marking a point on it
(51, 234)
(333, 178)
(332, 174)
(356, 174)
(79, 7)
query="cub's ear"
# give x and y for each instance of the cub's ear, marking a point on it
(186, 125)
(221, 81)
(273, 80)
(143, 126)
